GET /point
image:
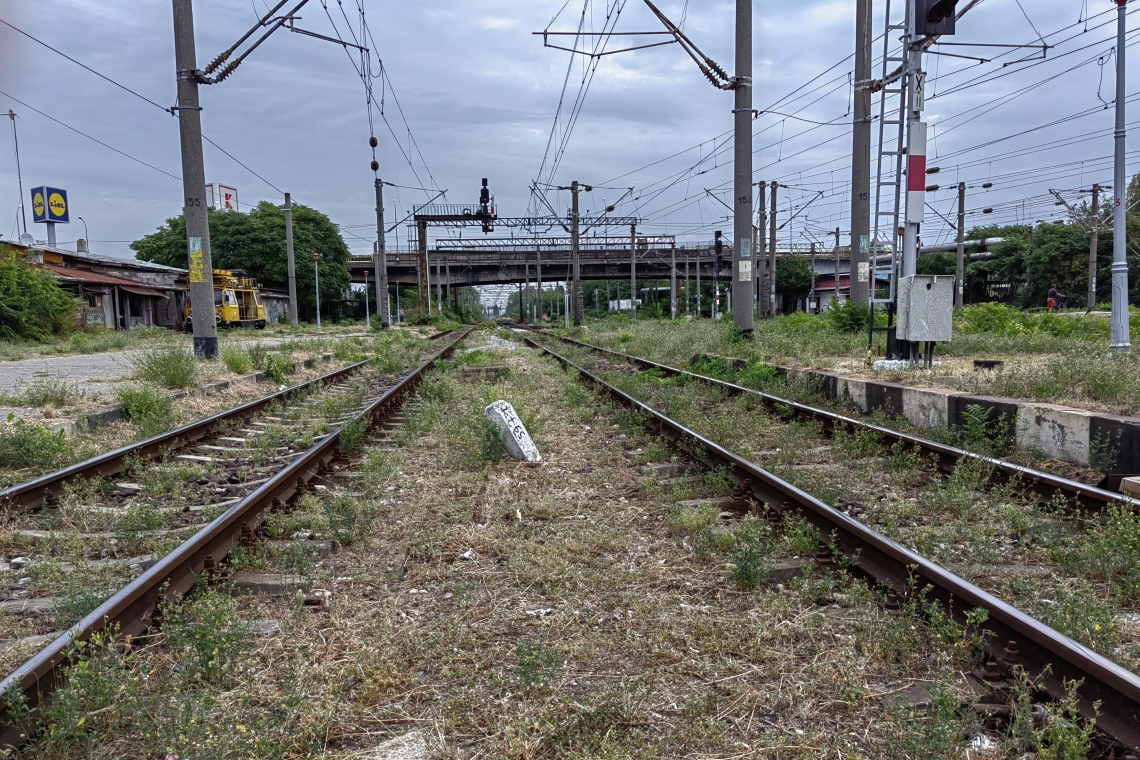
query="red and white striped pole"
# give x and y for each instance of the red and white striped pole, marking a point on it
(915, 194)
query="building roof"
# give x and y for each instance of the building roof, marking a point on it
(87, 277)
(96, 258)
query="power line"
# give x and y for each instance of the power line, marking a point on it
(89, 137)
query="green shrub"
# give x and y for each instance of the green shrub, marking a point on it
(275, 369)
(352, 435)
(1000, 319)
(170, 365)
(348, 350)
(491, 445)
(237, 359)
(258, 355)
(51, 391)
(32, 305)
(149, 409)
(28, 444)
(348, 519)
(537, 663)
(848, 316)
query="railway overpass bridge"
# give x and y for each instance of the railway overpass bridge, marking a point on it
(504, 262)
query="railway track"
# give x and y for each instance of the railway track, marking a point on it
(211, 483)
(946, 458)
(1108, 692)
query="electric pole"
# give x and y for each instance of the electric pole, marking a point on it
(762, 248)
(380, 260)
(861, 287)
(201, 265)
(837, 267)
(575, 231)
(632, 272)
(19, 174)
(290, 261)
(1120, 336)
(1092, 247)
(743, 319)
(772, 252)
(673, 293)
(960, 267)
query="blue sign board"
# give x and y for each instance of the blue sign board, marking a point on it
(49, 204)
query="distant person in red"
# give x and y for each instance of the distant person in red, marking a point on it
(1054, 299)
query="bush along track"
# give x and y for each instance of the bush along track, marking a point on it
(158, 525)
(954, 509)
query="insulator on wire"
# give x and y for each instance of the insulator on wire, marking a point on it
(375, 165)
(372, 141)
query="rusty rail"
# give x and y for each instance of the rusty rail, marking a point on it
(132, 610)
(1014, 638)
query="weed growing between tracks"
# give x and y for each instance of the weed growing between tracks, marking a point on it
(1076, 575)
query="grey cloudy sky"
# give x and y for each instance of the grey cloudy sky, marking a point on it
(479, 93)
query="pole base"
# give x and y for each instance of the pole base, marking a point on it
(742, 334)
(206, 348)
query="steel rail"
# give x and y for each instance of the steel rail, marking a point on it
(1109, 693)
(137, 606)
(32, 494)
(1043, 483)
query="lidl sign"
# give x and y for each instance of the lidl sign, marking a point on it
(49, 204)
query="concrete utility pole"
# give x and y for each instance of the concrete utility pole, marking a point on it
(673, 293)
(698, 285)
(1121, 340)
(1092, 247)
(317, 279)
(538, 278)
(811, 293)
(762, 248)
(837, 266)
(201, 265)
(861, 158)
(424, 275)
(633, 271)
(291, 261)
(772, 254)
(960, 267)
(380, 261)
(575, 232)
(743, 318)
(575, 253)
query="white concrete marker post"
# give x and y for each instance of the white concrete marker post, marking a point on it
(517, 440)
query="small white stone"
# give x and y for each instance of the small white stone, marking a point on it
(513, 432)
(467, 556)
(19, 563)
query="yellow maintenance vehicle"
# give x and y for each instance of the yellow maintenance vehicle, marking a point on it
(237, 301)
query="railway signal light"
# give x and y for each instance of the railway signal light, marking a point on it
(934, 17)
(485, 210)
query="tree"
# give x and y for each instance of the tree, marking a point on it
(32, 304)
(793, 279)
(255, 242)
